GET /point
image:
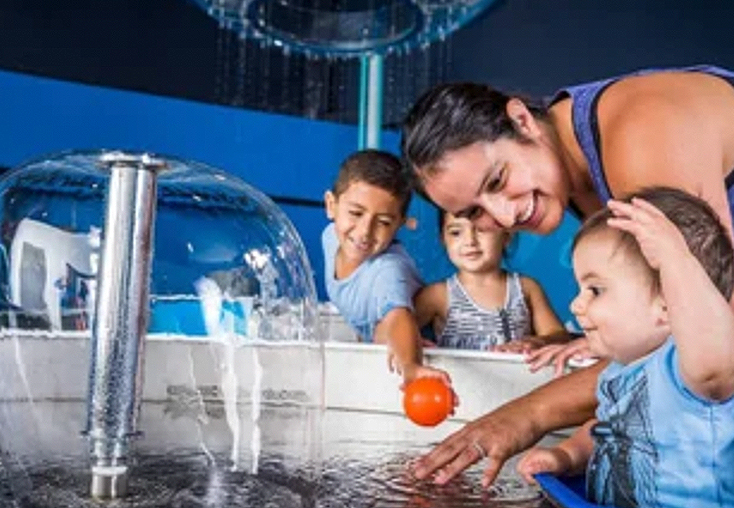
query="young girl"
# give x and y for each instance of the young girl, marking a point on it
(482, 305)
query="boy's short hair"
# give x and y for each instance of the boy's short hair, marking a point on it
(378, 168)
(702, 230)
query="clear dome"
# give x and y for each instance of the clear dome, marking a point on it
(349, 29)
(233, 362)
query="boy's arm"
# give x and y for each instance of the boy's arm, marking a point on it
(399, 331)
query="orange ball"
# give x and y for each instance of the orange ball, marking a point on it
(427, 401)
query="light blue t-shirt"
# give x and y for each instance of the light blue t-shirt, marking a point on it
(657, 444)
(382, 283)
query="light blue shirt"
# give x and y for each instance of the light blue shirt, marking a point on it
(380, 284)
(657, 444)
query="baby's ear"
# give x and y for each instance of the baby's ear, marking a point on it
(330, 200)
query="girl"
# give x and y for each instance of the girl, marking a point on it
(482, 305)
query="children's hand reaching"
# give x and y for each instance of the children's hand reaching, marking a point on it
(522, 346)
(418, 371)
(559, 355)
(543, 460)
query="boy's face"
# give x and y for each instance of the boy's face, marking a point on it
(366, 219)
(471, 249)
(621, 317)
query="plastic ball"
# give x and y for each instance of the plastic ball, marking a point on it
(427, 401)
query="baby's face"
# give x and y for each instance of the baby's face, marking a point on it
(366, 219)
(621, 315)
(472, 249)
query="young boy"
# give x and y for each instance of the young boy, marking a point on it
(369, 276)
(655, 275)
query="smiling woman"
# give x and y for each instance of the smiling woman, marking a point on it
(515, 164)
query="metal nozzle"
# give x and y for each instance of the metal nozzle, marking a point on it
(109, 482)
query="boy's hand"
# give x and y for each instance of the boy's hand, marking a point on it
(418, 371)
(659, 239)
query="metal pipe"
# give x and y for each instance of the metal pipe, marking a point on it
(370, 101)
(120, 319)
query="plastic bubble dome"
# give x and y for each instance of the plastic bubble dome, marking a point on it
(209, 277)
(344, 28)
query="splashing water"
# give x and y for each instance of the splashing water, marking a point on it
(220, 328)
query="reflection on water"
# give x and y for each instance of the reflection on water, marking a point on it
(192, 480)
(183, 460)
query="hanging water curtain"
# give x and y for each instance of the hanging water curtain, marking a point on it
(344, 27)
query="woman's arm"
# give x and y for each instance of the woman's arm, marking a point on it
(513, 427)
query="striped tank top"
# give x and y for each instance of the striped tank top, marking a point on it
(469, 326)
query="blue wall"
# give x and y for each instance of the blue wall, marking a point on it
(280, 155)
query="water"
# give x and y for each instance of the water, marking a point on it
(188, 481)
(365, 464)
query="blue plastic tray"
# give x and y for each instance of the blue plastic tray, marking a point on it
(565, 491)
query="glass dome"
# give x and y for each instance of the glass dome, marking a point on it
(232, 371)
(337, 28)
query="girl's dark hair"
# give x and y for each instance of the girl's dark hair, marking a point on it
(507, 252)
(378, 168)
(455, 115)
(705, 236)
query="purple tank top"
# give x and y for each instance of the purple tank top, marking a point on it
(585, 97)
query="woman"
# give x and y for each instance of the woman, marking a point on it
(512, 164)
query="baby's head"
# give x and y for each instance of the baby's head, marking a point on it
(620, 305)
(368, 202)
(469, 248)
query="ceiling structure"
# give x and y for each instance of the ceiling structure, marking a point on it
(174, 48)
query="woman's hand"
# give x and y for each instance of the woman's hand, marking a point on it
(493, 438)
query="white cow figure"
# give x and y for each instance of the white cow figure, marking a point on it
(42, 259)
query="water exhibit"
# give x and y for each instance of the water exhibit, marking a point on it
(226, 400)
(162, 344)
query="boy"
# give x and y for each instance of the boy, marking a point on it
(655, 275)
(369, 276)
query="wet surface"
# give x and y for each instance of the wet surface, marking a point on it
(192, 480)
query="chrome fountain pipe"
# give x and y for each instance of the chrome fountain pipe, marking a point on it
(120, 319)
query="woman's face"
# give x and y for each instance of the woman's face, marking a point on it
(505, 184)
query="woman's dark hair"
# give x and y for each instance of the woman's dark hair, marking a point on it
(455, 115)
(704, 234)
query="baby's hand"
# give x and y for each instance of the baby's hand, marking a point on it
(543, 460)
(659, 239)
(559, 355)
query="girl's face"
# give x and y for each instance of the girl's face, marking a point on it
(616, 307)
(471, 249)
(366, 219)
(505, 184)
